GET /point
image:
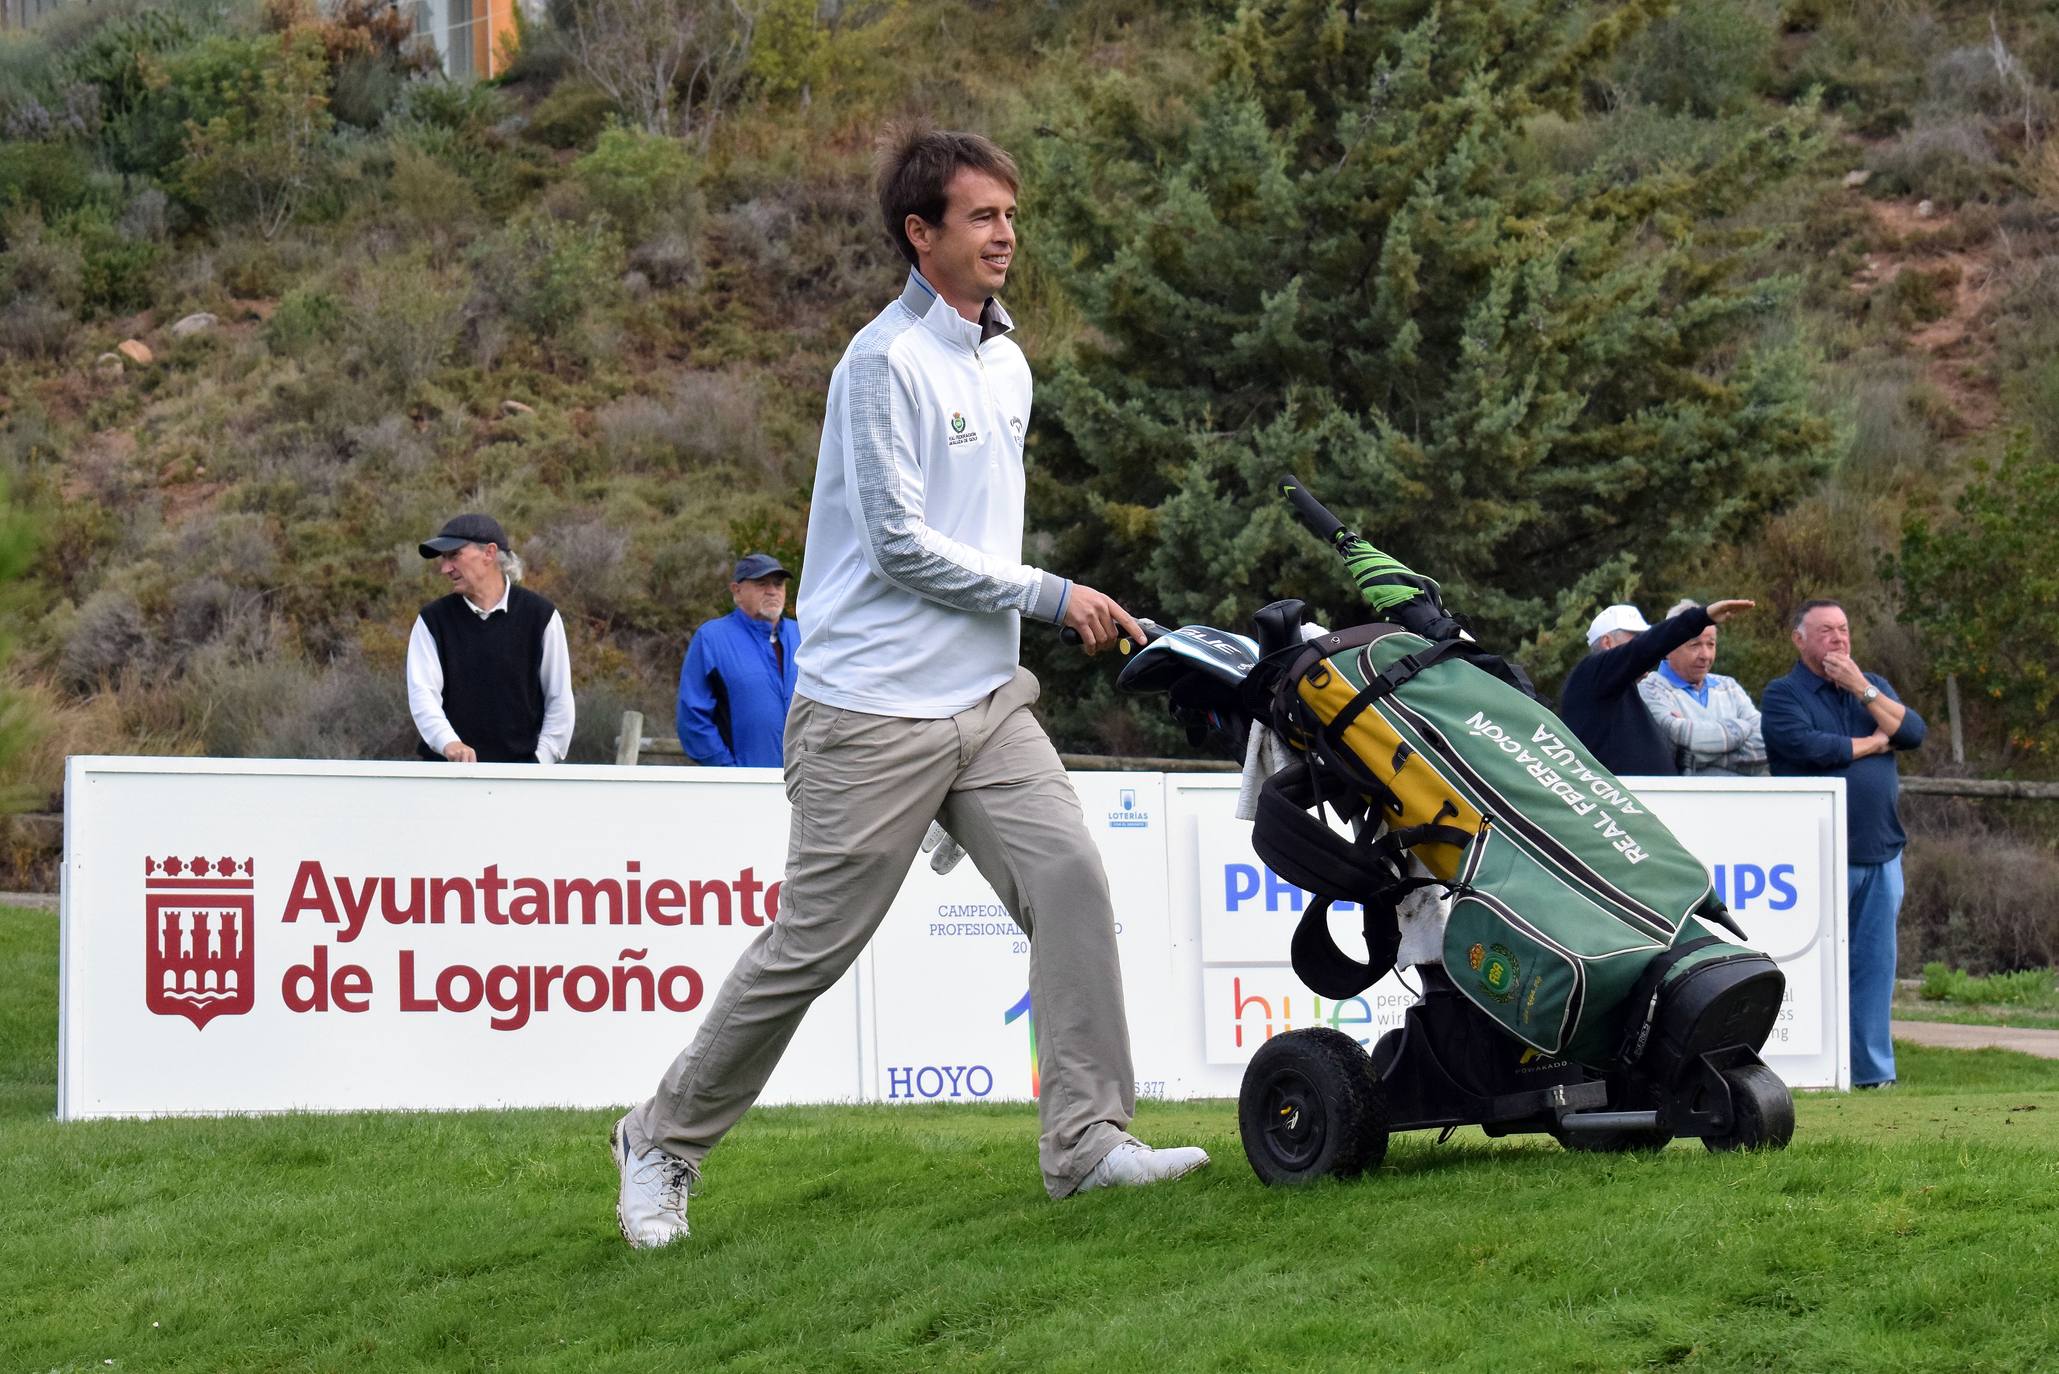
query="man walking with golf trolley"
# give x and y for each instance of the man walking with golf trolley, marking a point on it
(911, 707)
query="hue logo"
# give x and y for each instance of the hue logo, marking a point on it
(1021, 1012)
(198, 958)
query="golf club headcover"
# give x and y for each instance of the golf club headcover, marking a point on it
(1384, 581)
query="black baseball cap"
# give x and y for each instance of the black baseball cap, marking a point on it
(461, 530)
(753, 566)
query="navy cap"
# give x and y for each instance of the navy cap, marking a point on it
(461, 530)
(753, 566)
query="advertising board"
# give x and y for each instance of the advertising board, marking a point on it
(260, 935)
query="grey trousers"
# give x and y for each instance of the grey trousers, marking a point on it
(863, 790)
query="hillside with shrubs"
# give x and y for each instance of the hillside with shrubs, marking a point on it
(1564, 304)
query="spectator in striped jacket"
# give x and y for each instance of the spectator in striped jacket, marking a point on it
(1707, 719)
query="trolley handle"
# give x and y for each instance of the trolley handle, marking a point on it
(1315, 517)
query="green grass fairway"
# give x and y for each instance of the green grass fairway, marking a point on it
(1916, 1229)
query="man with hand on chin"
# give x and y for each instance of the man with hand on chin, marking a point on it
(1828, 718)
(911, 706)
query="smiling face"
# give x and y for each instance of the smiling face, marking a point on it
(966, 258)
(1693, 659)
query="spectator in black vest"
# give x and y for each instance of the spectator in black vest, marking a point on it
(489, 678)
(1601, 701)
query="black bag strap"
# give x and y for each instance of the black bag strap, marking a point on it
(1388, 680)
(1328, 970)
(1643, 1001)
(1304, 850)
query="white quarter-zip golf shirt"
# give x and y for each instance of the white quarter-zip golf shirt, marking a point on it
(914, 588)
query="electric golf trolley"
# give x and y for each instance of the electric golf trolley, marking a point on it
(1583, 990)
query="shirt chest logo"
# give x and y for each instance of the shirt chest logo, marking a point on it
(961, 433)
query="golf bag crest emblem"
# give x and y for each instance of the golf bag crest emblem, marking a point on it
(198, 921)
(1500, 972)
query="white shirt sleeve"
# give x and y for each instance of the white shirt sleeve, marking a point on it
(425, 690)
(555, 740)
(883, 490)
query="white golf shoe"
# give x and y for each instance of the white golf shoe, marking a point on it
(1133, 1164)
(651, 1209)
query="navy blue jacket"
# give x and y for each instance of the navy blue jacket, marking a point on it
(1810, 723)
(733, 699)
(1603, 707)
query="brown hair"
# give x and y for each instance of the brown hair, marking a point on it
(916, 163)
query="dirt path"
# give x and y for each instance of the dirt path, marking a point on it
(2042, 1043)
(1956, 347)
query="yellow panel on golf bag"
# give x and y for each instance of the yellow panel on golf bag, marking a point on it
(1427, 797)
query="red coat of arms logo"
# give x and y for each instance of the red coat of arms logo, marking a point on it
(198, 962)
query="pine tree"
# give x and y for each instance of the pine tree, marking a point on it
(1340, 258)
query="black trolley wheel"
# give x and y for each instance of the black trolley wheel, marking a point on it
(1761, 1111)
(1310, 1109)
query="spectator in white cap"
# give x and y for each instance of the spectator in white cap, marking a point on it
(1707, 718)
(1601, 701)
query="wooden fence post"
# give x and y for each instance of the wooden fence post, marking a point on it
(629, 743)
(1952, 715)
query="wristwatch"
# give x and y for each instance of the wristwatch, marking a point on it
(1866, 697)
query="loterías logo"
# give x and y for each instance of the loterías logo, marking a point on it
(198, 922)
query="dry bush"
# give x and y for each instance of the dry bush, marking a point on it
(587, 558)
(404, 319)
(147, 216)
(1980, 900)
(719, 419)
(637, 433)
(690, 575)
(42, 286)
(208, 614)
(282, 707)
(1891, 440)
(392, 446)
(710, 418)
(670, 64)
(808, 240)
(1948, 159)
(108, 636)
(33, 326)
(598, 717)
(233, 545)
(667, 259)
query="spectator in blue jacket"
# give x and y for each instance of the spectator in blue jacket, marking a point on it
(738, 678)
(1827, 718)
